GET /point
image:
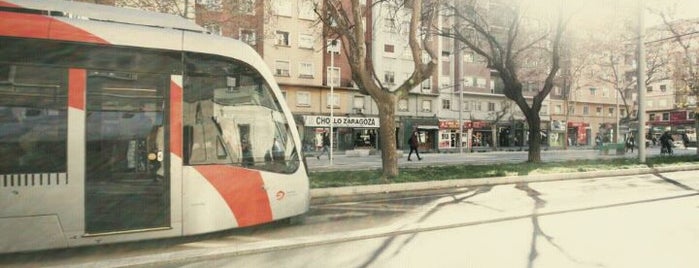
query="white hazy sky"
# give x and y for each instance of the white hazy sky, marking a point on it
(595, 13)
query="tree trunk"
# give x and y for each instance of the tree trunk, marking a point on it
(387, 134)
(534, 122)
(495, 138)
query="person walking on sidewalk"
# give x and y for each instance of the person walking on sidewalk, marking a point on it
(413, 146)
(326, 145)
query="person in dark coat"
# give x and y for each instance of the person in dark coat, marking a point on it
(326, 145)
(630, 143)
(666, 143)
(413, 141)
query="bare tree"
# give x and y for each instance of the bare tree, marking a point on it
(686, 72)
(514, 51)
(344, 19)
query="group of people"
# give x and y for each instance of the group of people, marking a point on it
(666, 143)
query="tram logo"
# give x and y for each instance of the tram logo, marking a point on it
(280, 195)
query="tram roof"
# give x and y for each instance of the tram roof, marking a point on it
(110, 13)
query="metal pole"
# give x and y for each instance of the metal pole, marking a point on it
(332, 99)
(617, 116)
(640, 81)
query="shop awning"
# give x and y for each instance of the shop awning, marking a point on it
(421, 122)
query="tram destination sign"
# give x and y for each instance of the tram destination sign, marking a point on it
(341, 121)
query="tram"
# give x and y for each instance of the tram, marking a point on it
(121, 125)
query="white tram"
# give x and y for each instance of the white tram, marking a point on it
(121, 125)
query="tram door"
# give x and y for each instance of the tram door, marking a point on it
(127, 185)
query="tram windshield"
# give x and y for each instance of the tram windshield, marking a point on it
(231, 116)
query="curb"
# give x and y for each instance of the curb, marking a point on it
(379, 191)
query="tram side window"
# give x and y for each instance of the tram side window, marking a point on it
(33, 119)
(232, 117)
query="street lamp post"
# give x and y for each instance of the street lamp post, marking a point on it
(640, 81)
(332, 96)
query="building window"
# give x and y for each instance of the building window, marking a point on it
(303, 99)
(248, 36)
(466, 106)
(652, 117)
(446, 104)
(468, 57)
(282, 38)
(426, 106)
(306, 70)
(213, 28)
(491, 107)
(571, 110)
(281, 68)
(649, 89)
(593, 91)
(333, 76)
(306, 41)
(481, 82)
(427, 84)
(622, 112)
(388, 48)
(663, 88)
(477, 106)
(334, 99)
(214, 5)
(586, 110)
(611, 112)
(598, 111)
(246, 6)
(559, 109)
(389, 78)
(403, 105)
(306, 10)
(282, 8)
(666, 116)
(333, 46)
(358, 102)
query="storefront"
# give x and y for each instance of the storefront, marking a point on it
(557, 132)
(450, 134)
(427, 128)
(579, 134)
(482, 135)
(349, 132)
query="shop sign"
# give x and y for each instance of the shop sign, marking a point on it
(479, 124)
(558, 125)
(341, 121)
(678, 116)
(453, 124)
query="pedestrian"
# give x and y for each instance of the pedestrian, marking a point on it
(630, 143)
(326, 144)
(666, 143)
(413, 141)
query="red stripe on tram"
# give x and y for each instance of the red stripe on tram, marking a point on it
(44, 27)
(243, 190)
(77, 80)
(176, 119)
